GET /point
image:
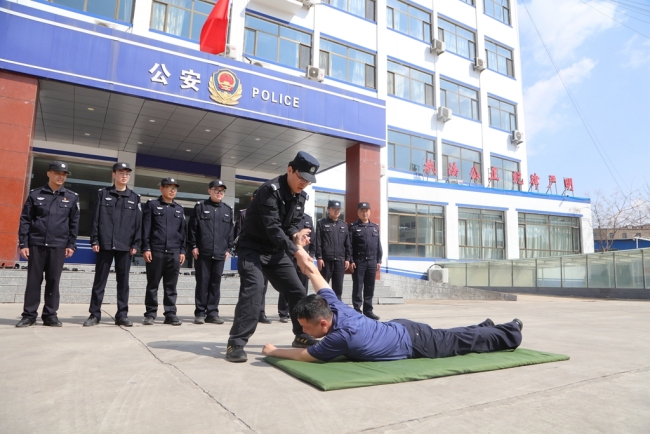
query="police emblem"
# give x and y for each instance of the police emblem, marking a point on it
(225, 88)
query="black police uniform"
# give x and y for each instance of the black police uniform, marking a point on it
(116, 229)
(306, 222)
(366, 254)
(49, 223)
(271, 220)
(334, 248)
(164, 234)
(210, 231)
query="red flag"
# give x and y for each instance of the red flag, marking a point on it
(215, 29)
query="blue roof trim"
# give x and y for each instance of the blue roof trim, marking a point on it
(74, 154)
(173, 166)
(250, 178)
(328, 190)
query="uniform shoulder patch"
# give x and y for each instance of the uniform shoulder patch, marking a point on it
(304, 194)
(274, 186)
(198, 202)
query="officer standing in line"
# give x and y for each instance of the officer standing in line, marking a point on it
(366, 260)
(333, 248)
(238, 226)
(265, 246)
(283, 306)
(163, 249)
(115, 235)
(49, 224)
(210, 236)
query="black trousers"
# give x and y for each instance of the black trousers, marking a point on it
(165, 266)
(263, 306)
(334, 269)
(102, 270)
(253, 268)
(208, 272)
(482, 338)
(48, 260)
(363, 284)
(283, 306)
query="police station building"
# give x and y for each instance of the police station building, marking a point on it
(414, 106)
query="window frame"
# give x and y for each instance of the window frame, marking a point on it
(325, 196)
(445, 161)
(505, 175)
(437, 225)
(475, 104)
(471, 45)
(85, 11)
(575, 234)
(509, 62)
(370, 70)
(463, 248)
(392, 148)
(427, 34)
(511, 116)
(428, 88)
(369, 9)
(505, 12)
(192, 12)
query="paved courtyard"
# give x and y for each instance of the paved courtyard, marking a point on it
(175, 379)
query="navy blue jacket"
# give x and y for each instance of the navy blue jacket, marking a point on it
(117, 220)
(50, 218)
(211, 229)
(163, 227)
(332, 240)
(366, 243)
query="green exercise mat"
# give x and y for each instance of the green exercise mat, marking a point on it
(346, 374)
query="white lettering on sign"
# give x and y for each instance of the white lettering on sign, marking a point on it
(265, 95)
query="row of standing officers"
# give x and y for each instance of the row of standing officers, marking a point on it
(121, 225)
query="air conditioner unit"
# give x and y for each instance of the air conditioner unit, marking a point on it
(310, 3)
(517, 137)
(437, 46)
(316, 74)
(438, 275)
(479, 64)
(444, 114)
(231, 51)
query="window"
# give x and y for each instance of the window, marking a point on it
(416, 230)
(460, 99)
(457, 39)
(624, 235)
(481, 234)
(498, 9)
(505, 171)
(361, 8)
(347, 64)
(408, 20)
(544, 235)
(502, 114)
(277, 43)
(184, 18)
(464, 159)
(320, 208)
(120, 10)
(610, 235)
(411, 153)
(469, 2)
(410, 83)
(499, 58)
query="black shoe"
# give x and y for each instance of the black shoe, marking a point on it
(236, 354)
(173, 320)
(91, 321)
(52, 322)
(284, 319)
(124, 321)
(199, 320)
(371, 315)
(148, 320)
(26, 322)
(519, 323)
(214, 319)
(264, 320)
(303, 341)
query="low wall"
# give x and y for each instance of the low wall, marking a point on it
(416, 289)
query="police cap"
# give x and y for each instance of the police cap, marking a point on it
(306, 165)
(58, 166)
(169, 181)
(334, 204)
(363, 205)
(217, 183)
(122, 166)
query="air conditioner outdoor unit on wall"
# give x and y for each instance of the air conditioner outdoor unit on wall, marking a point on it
(517, 137)
(437, 46)
(316, 74)
(311, 3)
(479, 64)
(231, 51)
(438, 275)
(444, 114)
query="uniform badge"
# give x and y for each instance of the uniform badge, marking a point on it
(64, 200)
(40, 198)
(207, 212)
(109, 198)
(225, 215)
(130, 201)
(225, 88)
(159, 207)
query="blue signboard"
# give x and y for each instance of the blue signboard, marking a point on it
(48, 45)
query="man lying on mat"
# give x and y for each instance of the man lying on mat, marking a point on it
(346, 332)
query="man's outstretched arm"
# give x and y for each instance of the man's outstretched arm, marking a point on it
(299, 354)
(306, 264)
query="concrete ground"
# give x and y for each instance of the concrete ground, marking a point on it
(161, 378)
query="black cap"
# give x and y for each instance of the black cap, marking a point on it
(122, 166)
(363, 205)
(217, 183)
(306, 165)
(59, 166)
(169, 181)
(334, 204)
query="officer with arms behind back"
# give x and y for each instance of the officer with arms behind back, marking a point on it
(115, 234)
(163, 249)
(333, 248)
(265, 245)
(210, 236)
(366, 260)
(49, 225)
